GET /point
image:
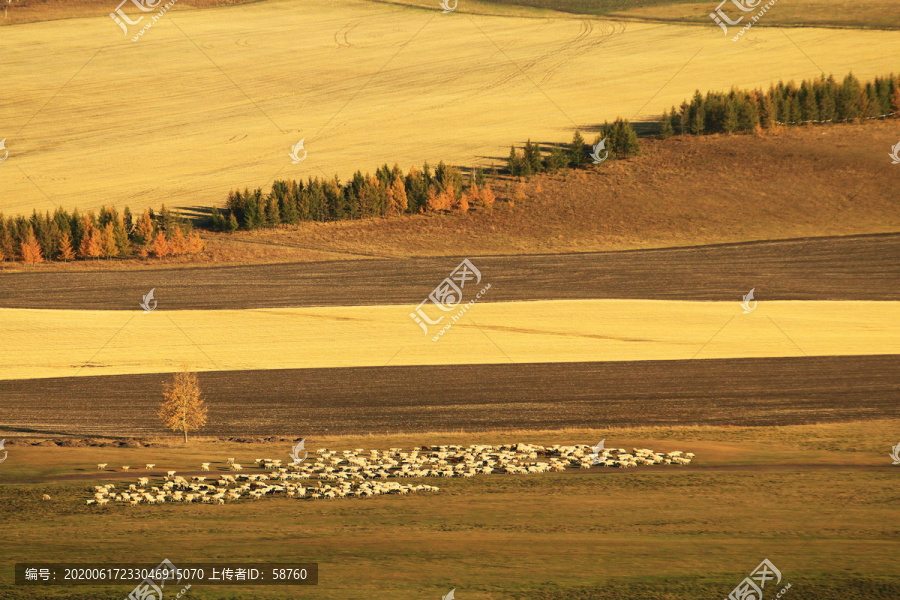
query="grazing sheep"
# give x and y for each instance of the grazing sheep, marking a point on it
(170, 473)
(101, 466)
(204, 466)
(45, 497)
(230, 461)
(149, 466)
(125, 468)
(236, 467)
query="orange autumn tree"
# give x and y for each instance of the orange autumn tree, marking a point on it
(463, 204)
(183, 408)
(194, 243)
(108, 247)
(65, 247)
(487, 196)
(178, 243)
(160, 245)
(31, 249)
(90, 242)
(397, 199)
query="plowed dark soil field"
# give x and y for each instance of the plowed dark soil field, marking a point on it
(306, 402)
(850, 268)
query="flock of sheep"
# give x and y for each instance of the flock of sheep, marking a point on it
(354, 473)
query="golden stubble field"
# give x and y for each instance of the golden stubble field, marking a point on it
(214, 99)
(57, 343)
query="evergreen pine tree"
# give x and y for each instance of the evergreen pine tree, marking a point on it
(578, 155)
(232, 225)
(729, 116)
(696, 115)
(666, 130)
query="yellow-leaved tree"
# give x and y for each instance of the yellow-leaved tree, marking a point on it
(183, 409)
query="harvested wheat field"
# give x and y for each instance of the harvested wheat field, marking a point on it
(210, 100)
(48, 343)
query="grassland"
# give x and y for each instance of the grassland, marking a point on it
(214, 99)
(805, 497)
(46, 343)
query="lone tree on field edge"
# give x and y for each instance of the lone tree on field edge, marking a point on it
(183, 408)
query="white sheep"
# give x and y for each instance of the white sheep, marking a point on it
(101, 466)
(149, 466)
(204, 466)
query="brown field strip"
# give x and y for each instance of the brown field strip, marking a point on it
(850, 268)
(321, 402)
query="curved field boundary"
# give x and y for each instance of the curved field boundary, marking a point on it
(845, 268)
(307, 402)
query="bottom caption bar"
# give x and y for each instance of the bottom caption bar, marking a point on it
(152, 578)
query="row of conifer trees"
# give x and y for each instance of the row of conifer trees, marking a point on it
(392, 192)
(814, 101)
(388, 192)
(69, 236)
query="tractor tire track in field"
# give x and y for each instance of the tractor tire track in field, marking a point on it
(307, 402)
(841, 268)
